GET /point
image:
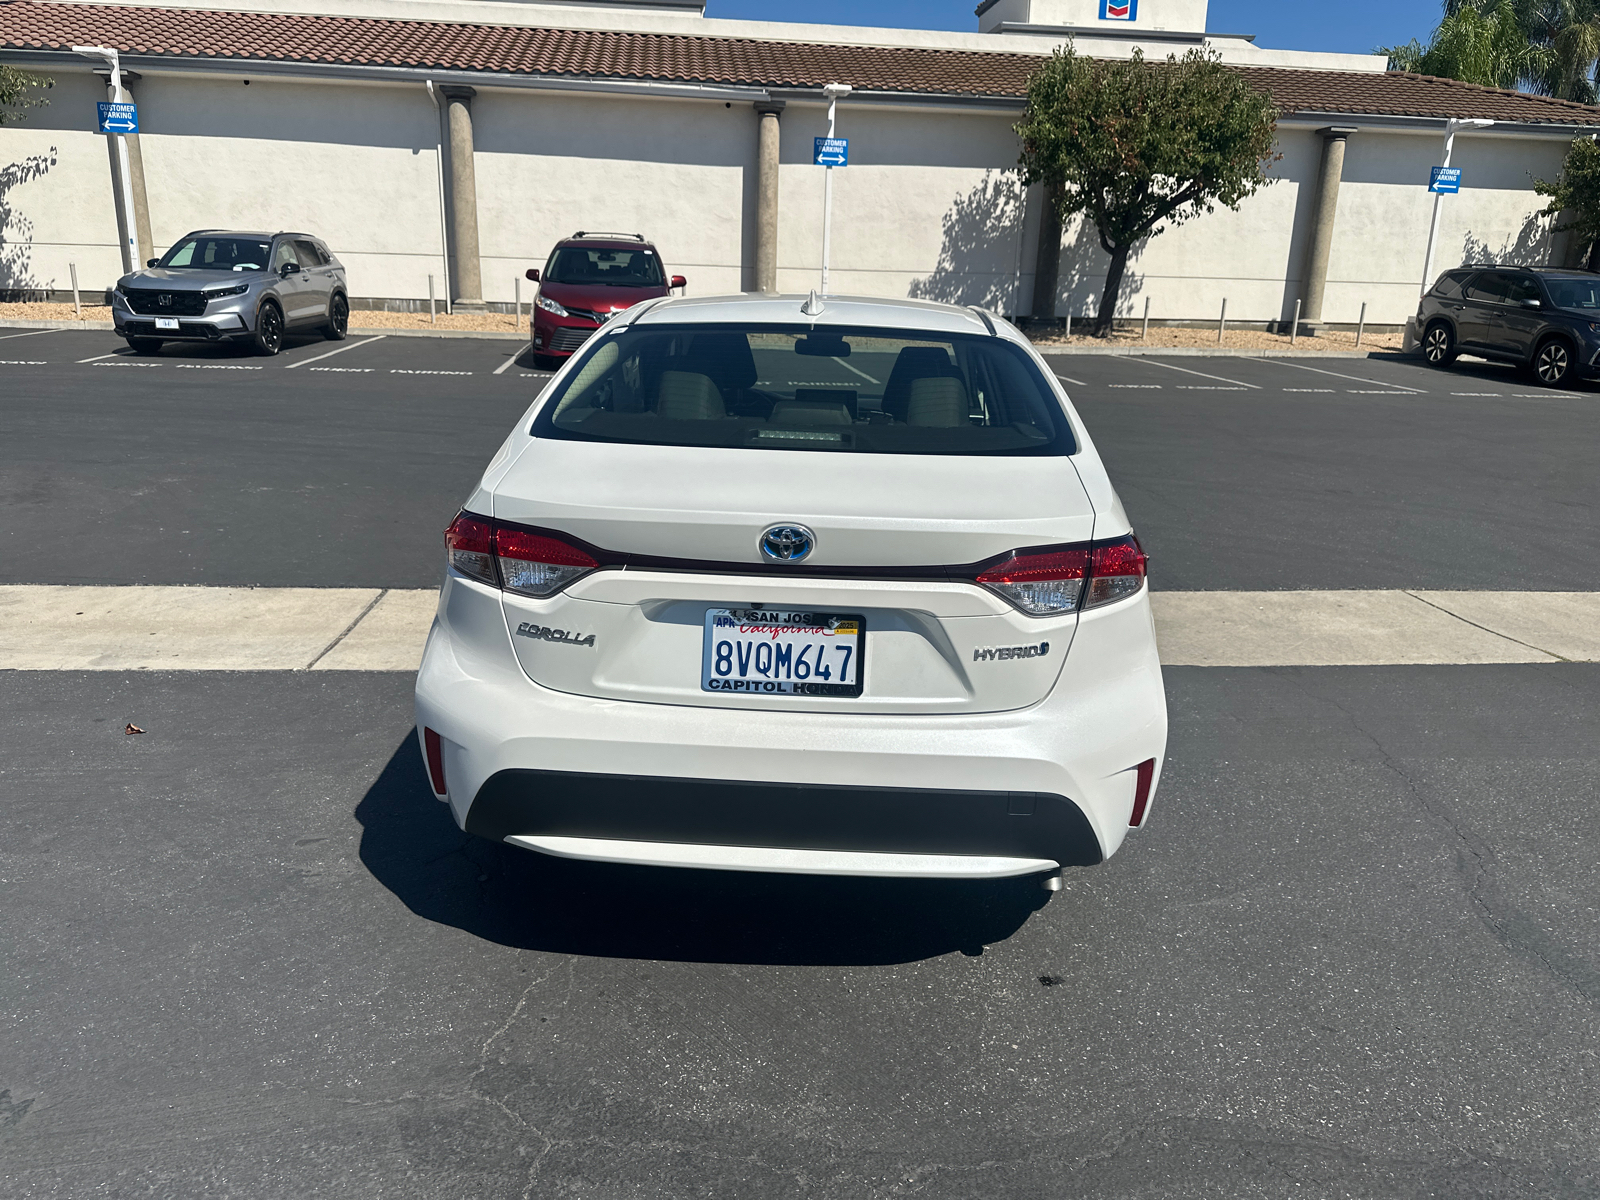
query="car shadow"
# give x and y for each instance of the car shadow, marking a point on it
(537, 902)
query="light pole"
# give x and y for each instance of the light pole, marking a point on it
(833, 92)
(123, 181)
(1451, 128)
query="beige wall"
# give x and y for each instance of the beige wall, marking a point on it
(928, 208)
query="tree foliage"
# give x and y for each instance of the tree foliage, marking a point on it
(1549, 47)
(1576, 193)
(19, 91)
(1139, 147)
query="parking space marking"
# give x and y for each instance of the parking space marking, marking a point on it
(1283, 362)
(1070, 379)
(93, 362)
(1149, 387)
(1496, 394)
(98, 357)
(1311, 391)
(23, 362)
(1377, 392)
(412, 371)
(525, 348)
(216, 367)
(858, 371)
(1254, 387)
(31, 333)
(340, 350)
(1207, 387)
(347, 370)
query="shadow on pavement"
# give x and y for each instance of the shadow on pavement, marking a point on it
(532, 901)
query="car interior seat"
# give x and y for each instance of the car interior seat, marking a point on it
(689, 396)
(938, 402)
(911, 364)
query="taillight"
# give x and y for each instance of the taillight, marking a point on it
(1062, 580)
(1041, 584)
(1146, 773)
(435, 754)
(503, 556)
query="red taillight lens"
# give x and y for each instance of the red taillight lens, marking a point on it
(1041, 584)
(1117, 570)
(435, 755)
(1141, 791)
(503, 556)
(535, 565)
(469, 547)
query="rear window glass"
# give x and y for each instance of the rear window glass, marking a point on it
(1574, 293)
(218, 254)
(841, 390)
(1449, 285)
(597, 267)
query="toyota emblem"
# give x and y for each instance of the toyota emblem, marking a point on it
(787, 543)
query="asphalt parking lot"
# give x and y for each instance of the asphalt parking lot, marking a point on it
(247, 954)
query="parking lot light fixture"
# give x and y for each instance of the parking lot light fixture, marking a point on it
(1451, 127)
(124, 179)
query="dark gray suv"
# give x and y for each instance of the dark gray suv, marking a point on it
(218, 285)
(1541, 318)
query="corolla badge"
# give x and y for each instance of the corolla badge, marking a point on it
(787, 543)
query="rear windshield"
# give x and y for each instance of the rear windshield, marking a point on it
(842, 390)
(219, 254)
(1449, 285)
(625, 268)
(1574, 293)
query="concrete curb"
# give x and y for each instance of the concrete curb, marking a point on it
(1202, 352)
(355, 330)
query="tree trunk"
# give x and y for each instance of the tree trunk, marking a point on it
(1594, 256)
(1108, 298)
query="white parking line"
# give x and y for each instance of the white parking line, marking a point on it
(1476, 393)
(31, 333)
(863, 374)
(1255, 387)
(411, 371)
(1283, 362)
(98, 357)
(340, 350)
(23, 362)
(1070, 379)
(1207, 387)
(525, 348)
(216, 367)
(1149, 387)
(1311, 391)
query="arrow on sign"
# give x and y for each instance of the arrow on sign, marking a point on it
(831, 160)
(123, 126)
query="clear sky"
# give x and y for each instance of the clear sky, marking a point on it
(1353, 26)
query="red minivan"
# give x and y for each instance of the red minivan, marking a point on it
(589, 277)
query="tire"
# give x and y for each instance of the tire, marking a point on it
(1554, 362)
(269, 330)
(1438, 345)
(338, 326)
(144, 345)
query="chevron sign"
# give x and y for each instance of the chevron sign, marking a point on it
(1119, 10)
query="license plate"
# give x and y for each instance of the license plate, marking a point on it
(167, 323)
(782, 652)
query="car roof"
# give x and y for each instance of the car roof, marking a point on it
(599, 243)
(250, 233)
(923, 316)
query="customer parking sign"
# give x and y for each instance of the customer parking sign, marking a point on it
(1119, 10)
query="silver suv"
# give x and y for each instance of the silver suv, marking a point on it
(222, 286)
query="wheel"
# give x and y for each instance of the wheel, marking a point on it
(338, 320)
(269, 331)
(141, 345)
(1439, 345)
(1553, 362)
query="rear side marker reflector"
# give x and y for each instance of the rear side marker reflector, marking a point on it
(435, 755)
(1061, 579)
(1141, 792)
(505, 556)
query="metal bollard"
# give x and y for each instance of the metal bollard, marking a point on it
(1294, 330)
(433, 313)
(1146, 335)
(1361, 326)
(516, 291)
(77, 304)
(1222, 321)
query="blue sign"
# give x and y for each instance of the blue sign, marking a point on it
(118, 118)
(1119, 10)
(1445, 180)
(831, 152)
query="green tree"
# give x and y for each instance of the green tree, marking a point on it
(1576, 192)
(1138, 147)
(19, 91)
(1545, 46)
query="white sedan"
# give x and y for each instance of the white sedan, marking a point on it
(776, 584)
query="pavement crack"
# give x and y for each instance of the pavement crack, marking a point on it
(348, 629)
(1513, 928)
(1465, 621)
(497, 1102)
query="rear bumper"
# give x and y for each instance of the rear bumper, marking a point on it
(547, 769)
(555, 811)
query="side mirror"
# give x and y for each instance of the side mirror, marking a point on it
(288, 269)
(678, 281)
(1532, 304)
(154, 262)
(532, 274)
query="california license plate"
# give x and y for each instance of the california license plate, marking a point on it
(170, 323)
(782, 652)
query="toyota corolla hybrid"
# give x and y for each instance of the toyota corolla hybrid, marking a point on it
(775, 584)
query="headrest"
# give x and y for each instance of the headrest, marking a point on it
(689, 396)
(940, 403)
(725, 357)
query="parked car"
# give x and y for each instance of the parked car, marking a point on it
(1543, 319)
(589, 278)
(224, 286)
(831, 587)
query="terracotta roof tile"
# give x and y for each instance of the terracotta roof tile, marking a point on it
(518, 50)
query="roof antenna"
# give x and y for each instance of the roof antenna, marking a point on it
(813, 305)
